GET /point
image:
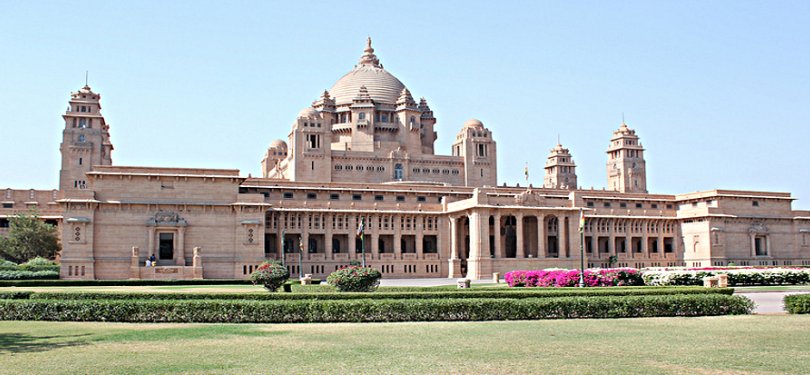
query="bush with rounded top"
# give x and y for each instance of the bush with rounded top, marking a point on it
(270, 274)
(355, 279)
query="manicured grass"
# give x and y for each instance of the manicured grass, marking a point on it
(738, 344)
(770, 288)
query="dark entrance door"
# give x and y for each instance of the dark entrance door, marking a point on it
(166, 245)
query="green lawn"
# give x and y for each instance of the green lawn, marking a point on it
(323, 288)
(710, 345)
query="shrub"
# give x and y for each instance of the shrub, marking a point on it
(598, 277)
(369, 310)
(798, 303)
(271, 274)
(736, 276)
(355, 279)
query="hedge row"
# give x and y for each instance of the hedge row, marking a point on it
(122, 282)
(29, 275)
(16, 295)
(798, 303)
(495, 293)
(369, 310)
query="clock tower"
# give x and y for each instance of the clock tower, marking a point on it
(85, 139)
(626, 169)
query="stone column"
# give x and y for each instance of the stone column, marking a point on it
(562, 237)
(327, 235)
(595, 244)
(496, 229)
(397, 222)
(541, 236)
(374, 221)
(352, 223)
(520, 252)
(453, 238)
(612, 238)
(135, 264)
(645, 251)
(420, 227)
(180, 254)
(753, 244)
(151, 242)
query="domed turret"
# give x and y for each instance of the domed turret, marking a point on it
(308, 112)
(474, 123)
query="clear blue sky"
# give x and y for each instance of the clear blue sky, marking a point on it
(719, 91)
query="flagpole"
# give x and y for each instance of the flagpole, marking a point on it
(581, 248)
(283, 250)
(301, 257)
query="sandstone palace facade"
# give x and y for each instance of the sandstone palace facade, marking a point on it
(363, 152)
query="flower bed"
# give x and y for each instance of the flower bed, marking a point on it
(597, 277)
(736, 276)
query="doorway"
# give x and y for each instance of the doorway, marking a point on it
(166, 246)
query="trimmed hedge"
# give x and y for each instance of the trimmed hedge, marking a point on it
(122, 282)
(16, 295)
(29, 275)
(460, 294)
(372, 310)
(798, 303)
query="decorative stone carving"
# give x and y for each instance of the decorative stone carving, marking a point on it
(758, 228)
(528, 198)
(167, 219)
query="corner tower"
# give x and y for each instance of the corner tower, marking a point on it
(626, 169)
(560, 169)
(475, 144)
(85, 139)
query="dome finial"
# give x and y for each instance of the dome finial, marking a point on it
(369, 58)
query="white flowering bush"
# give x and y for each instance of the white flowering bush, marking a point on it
(736, 276)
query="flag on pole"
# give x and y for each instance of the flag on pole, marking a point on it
(581, 220)
(360, 229)
(526, 171)
(301, 244)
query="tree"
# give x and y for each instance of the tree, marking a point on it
(29, 237)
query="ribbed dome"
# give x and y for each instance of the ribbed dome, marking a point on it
(382, 86)
(308, 112)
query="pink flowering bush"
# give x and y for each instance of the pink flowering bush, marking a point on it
(597, 277)
(355, 279)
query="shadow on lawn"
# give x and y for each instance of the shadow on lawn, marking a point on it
(13, 343)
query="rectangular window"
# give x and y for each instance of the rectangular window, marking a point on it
(623, 205)
(8, 205)
(607, 204)
(334, 197)
(669, 206)
(421, 199)
(379, 198)
(755, 203)
(590, 204)
(639, 205)
(3, 223)
(357, 197)
(312, 196)
(400, 198)
(654, 205)
(288, 195)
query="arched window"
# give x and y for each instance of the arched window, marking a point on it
(398, 172)
(81, 138)
(361, 116)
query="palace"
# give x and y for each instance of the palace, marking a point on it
(362, 155)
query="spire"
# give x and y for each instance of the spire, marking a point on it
(368, 57)
(425, 109)
(406, 100)
(362, 94)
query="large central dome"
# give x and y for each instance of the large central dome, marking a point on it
(382, 86)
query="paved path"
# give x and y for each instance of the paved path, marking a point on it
(767, 302)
